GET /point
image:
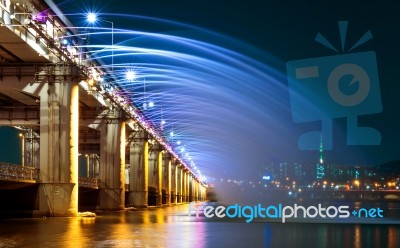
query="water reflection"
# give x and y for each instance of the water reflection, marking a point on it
(171, 227)
(331, 235)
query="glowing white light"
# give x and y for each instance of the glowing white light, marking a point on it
(171, 134)
(130, 75)
(91, 17)
(163, 122)
(290, 192)
(151, 104)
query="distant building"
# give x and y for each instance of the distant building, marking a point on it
(298, 171)
(283, 171)
(320, 169)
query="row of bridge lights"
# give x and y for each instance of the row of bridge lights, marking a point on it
(130, 75)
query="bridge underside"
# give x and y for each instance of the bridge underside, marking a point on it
(70, 127)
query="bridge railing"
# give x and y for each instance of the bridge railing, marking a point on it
(88, 182)
(18, 172)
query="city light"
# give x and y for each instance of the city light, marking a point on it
(266, 177)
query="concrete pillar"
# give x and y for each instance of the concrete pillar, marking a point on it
(200, 190)
(87, 156)
(31, 152)
(23, 153)
(159, 176)
(139, 172)
(93, 163)
(112, 166)
(188, 186)
(168, 189)
(175, 183)
(180, 184)
(201, 198)
(197, 190)
(59, 130)
(203, 193)
(153, 182)
(186, 175)
(183, 184)
(191, 188)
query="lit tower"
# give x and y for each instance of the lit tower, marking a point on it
(321, 151)
(320, 164)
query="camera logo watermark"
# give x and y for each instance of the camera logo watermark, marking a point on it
(279, 211)
(343, 85)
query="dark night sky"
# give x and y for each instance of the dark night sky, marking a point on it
(285, 31)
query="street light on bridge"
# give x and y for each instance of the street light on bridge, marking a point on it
(130, 75)
(92, 18)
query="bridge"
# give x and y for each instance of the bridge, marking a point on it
(68, 105)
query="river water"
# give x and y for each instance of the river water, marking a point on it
(172, 227)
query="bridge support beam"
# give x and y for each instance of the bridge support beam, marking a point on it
(112, 166)
(139, 172)
(195, 190)
(180, 184)
(203, 193)
(191, 188)
(59, 129)
(92, 165)
(168, 190)
(188, 186)
(152, 186)
(159, 176)
(184, 184)
(174, 170)
(30, 150)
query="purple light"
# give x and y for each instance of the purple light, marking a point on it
(40, 17)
